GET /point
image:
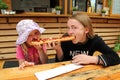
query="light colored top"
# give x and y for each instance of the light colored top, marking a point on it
(31, 56)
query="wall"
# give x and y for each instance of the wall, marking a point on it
(106, 27)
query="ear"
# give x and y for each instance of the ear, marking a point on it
(86, 30)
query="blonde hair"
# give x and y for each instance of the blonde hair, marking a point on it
(85, 20)
(24, 48)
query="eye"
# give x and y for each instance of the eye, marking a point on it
(73, 27)
(30, 36)
(37, 33)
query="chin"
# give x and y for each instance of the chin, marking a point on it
(74, 42)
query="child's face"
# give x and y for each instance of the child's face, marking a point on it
(76, 29)
(34, 35)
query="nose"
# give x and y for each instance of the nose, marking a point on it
(70, 31)
(35, 37)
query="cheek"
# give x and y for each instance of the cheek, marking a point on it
(29, 39)
(38, 36)
(80, 34)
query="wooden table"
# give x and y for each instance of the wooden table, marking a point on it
(88, 72)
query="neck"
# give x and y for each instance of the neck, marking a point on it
(85, 41)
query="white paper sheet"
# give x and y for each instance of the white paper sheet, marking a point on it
(43, 75)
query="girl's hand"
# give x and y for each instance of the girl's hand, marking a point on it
(25, 63)
(84, 59)
(39, 47)
(54, 45)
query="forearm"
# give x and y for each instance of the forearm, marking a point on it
(59, 54)
(21, 61)
(43, 56)
(86, 59)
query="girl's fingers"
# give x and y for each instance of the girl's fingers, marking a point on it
(22, 66)
(25, 63)
(31, 64)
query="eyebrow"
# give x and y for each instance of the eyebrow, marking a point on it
(73, 26)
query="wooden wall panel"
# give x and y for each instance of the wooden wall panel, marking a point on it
(16, 20)
(114, 21)
(3, 20)
(107, 28)
(94, 20)
(62, 19)
(52, 25)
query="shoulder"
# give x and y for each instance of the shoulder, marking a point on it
(97, 38)
(18, 47)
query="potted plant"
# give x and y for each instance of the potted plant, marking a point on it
(58, 9)
(3, 7)
(74, 10)
(117, 45)
(103, 12)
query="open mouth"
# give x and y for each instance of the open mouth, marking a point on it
(74, 37)
(74, 40)
(34, 39)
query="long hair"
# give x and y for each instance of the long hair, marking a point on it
(85, 20)
(25, 49)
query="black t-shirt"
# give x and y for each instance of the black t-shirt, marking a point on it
(109, 57)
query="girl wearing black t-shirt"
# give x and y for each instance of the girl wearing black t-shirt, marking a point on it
(81, 49)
